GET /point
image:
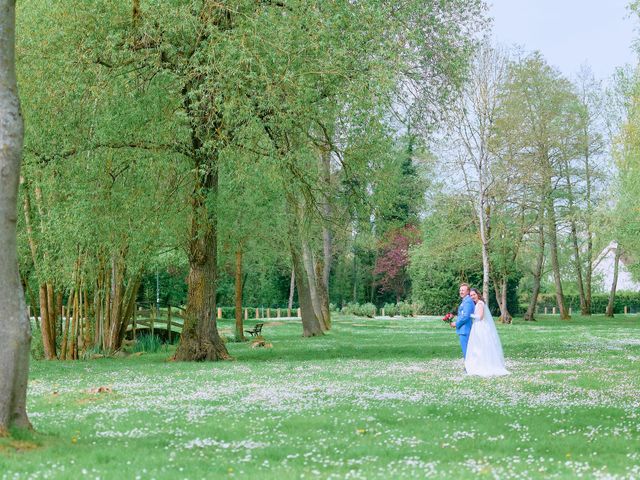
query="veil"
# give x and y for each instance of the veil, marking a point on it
(487, 313)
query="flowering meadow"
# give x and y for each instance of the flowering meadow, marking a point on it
(376, 398)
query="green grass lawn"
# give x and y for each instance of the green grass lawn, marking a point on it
(372, 399)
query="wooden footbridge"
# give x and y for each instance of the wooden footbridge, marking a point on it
(170, 320)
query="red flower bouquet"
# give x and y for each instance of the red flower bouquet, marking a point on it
(448, 317)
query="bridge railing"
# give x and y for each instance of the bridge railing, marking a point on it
(171, 318)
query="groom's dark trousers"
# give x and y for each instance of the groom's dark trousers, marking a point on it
(463, 323)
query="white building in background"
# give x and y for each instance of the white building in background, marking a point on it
(603, 271)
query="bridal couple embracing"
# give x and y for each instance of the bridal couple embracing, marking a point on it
(479, 340)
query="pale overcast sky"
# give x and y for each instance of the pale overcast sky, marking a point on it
(569, 32)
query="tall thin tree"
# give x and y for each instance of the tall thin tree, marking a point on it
(14, 323)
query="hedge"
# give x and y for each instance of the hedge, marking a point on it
(599, 302)
(364, 310)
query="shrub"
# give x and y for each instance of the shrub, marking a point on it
(599, 302)
(348, 309)
(419, 308)
(405, 309)
(351, 308)
(148, 343)
(390, 309)
(90, 353)
(365, 310)
(368, 310)
(37, 347)
(229, 312)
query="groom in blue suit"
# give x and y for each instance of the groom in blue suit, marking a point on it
(463, 323)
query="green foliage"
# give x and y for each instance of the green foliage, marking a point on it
(391, 309)
(405, 309)
(172, 285)
(148, 343)
(360, 310)
(126, 116)
(598, 302)
(37, 347)
(99, 165)
(230, 312)
(449, 255)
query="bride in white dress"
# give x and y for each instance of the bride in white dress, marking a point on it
(484, 352)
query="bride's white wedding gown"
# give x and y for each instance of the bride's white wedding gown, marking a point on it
(484, 351)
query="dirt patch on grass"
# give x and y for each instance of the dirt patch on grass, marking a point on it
(10, 446)
(273, 324)
(23, 445)
(260, 343)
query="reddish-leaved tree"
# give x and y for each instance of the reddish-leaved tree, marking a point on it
(391, 265)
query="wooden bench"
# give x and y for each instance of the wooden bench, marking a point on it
(255, 331)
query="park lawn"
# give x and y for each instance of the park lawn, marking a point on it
(375, 398)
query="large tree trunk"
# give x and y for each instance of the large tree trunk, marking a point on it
(323, 297)
(292, 288)
(537, 276)
(327, 239)
(66, 329)
(14, 323)
(47, 314)
(355, 275)
(200, 340)
(51, 310)
(555, 263)
(588, 273)
(48, 339)
(48, 330)
(578, 267)
(501, 300)
(484, 216)
(312, 280)
(614, 283)
(574, 240)
(121, 312)
(505, 316)
(310, 322)
(119, 303)
(588, 217)
(238, 310)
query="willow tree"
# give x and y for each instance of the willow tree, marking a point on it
(397, 54)
(173, 47)
(14, 322)
(122, 172)
(239, 85)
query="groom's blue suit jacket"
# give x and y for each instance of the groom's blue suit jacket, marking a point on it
(463, 323)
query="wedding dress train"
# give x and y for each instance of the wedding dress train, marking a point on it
(484, 351)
